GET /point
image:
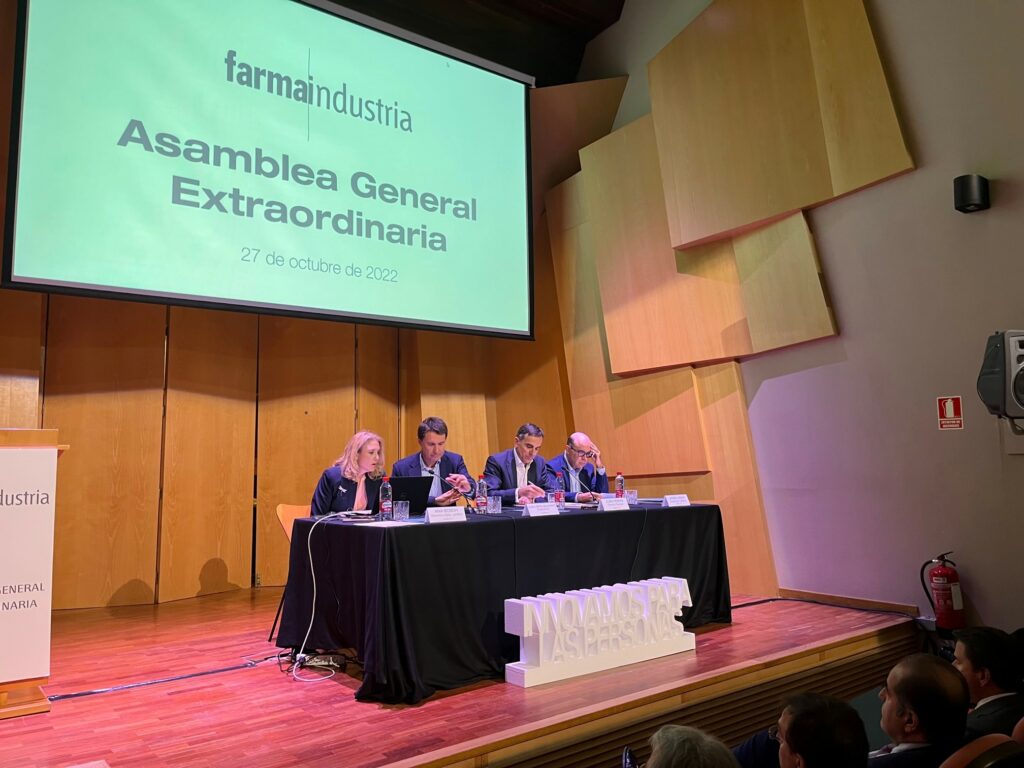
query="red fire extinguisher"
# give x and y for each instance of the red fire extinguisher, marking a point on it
(943, 591)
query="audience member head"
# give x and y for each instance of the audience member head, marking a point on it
(578, 450)
(678, 746)
(432, 434)
(816, 731)
(990, 661)
(529, 439)
(925, 701)
(363, 454)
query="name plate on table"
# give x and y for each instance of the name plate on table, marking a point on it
(446, 515)
(608, 505)
(565, 634)
(676, 500)
(540, 509)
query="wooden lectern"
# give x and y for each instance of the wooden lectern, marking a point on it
(28, 489)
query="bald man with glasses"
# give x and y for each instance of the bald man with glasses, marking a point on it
(584, 477)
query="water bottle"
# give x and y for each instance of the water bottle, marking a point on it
(481, 496)
(386, 509)
(620, 485)
(560, 491)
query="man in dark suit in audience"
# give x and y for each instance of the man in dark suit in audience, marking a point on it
(813, 731)
(990, 661)
(924, 708)
(816, 731)
(450, 476)
(520, 474)
(582, 480)
(924, 711)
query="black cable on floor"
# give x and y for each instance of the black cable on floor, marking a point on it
(127, 686)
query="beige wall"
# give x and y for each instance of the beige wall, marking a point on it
(859, 485)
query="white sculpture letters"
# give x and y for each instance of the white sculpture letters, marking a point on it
(563, 635)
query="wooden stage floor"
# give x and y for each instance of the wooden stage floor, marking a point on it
(199, 689)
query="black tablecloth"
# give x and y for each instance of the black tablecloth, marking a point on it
(423, 605)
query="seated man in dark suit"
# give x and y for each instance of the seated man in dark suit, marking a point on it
(990, 661)
(813, 731)
(520, 474)
(581, 480)
(450, 476)
(924, 708)
(924, 711)
(816, 730)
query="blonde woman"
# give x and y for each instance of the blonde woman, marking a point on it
(353, 481)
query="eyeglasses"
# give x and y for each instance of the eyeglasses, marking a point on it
(774, 735)
(578, 452)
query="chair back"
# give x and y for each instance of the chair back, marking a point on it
(1018, 731)
(996, 750)
(288, 513)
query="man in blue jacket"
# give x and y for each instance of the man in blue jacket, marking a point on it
(520, 474)
(450, 477)
(582, 480)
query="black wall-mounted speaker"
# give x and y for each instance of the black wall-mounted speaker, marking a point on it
(970, 193)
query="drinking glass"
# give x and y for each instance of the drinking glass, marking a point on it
(632, 496)
(401, 510)
(494, 505)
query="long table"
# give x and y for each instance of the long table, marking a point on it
(423, 605)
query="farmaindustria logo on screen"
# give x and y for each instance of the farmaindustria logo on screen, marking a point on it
(303, 89)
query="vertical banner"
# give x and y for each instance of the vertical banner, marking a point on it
(28, 478)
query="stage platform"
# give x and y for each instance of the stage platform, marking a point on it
(196, 684)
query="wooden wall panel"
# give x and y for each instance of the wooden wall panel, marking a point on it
(377, 383)
(660, 308)
(104, 392)
(454, 373)
(305, 415)
(644, 425)
(528, 378)
(209, 453)
(726, 426)
(782, 285)
(21, 334)
(761, 109)
(410, 413)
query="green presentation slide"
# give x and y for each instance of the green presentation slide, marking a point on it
(267, 154)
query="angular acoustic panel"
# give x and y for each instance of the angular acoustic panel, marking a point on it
(645, 425)
(564, 118)
(727, 299)
(527, 378)
(209, 434)
(782, 285)
(764, 108)
(684, 430)
(730, 449)
(661, 308)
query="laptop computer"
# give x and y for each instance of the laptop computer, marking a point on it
(415, 490)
